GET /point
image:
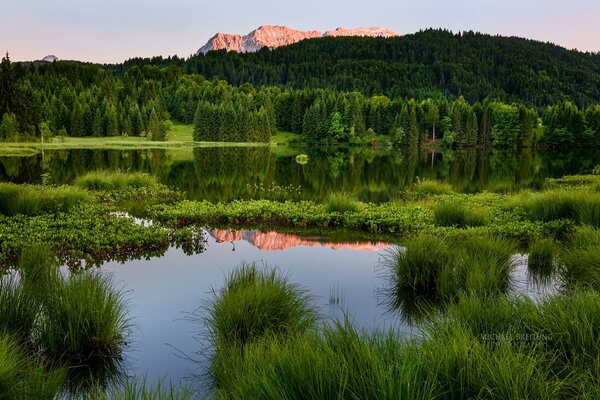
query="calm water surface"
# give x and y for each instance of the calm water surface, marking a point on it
(223, 174)
(342, 277)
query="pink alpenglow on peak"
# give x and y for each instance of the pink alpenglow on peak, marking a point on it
(272, 36)
(372, 31)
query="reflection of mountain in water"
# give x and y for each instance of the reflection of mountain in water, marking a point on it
(281, 241)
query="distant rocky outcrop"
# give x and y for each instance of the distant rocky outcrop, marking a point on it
(50, 58)
(275, 36)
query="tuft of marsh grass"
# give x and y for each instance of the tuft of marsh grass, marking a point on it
(140, 389)
(34, 200)
(39, 271)
(111, 180)
(440, 269)
(457, 215)
(341, 203)
(541, 257)
(23, 377)
(84, 324)
(12, 364)
(341, 363)
(427, 186)
(18, 309)
(258, 302)
(581, 206)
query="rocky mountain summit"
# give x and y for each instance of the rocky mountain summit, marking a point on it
(273, 36)
(50, 58)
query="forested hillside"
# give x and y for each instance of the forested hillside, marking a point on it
(431, 63)
(465, 90)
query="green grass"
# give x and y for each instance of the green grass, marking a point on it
(141, 390)
(182, 133)
(18, 310)
(341, 203)
(115, 180)
(12, 364)
(33, 200)
(340, 364)
(438, 269)
(24, 377)
(457, 215)
(284, 138)
(541, 257)
(84, 326)
(256, 303)
(500, 348)
(427, 186)
(581, 206)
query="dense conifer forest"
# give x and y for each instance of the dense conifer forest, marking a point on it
(462, 89)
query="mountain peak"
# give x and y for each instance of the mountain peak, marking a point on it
(272, 36)
(50, 58)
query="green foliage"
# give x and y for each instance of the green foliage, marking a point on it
(427, 186)
(581, 206)
(440, 269)
(541, 256)
(454, 214)
(18, 309)
(134, 389)
(114, 180)
(84, 327)
(342, 203)
(31, 200)
(257, 303)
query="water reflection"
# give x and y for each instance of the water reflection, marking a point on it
(223, 174)
(272, 240)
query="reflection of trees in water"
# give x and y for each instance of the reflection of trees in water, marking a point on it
(223, 174)
(227, 173)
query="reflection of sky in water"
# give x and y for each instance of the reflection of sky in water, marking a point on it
(344, 281)
(163, 289)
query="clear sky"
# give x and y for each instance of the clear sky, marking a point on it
(114, 30)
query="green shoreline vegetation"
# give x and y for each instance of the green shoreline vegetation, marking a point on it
(460, 294)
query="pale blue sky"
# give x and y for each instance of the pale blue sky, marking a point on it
(114, 30)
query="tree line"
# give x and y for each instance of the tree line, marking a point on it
(78, 99)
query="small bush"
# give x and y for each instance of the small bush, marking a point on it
(457, 215)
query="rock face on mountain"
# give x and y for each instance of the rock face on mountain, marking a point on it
(275, 36)
(50, 58)
(372, 31)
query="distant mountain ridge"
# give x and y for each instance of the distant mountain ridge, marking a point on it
(273, 36)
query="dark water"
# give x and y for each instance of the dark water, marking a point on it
(223, 174)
